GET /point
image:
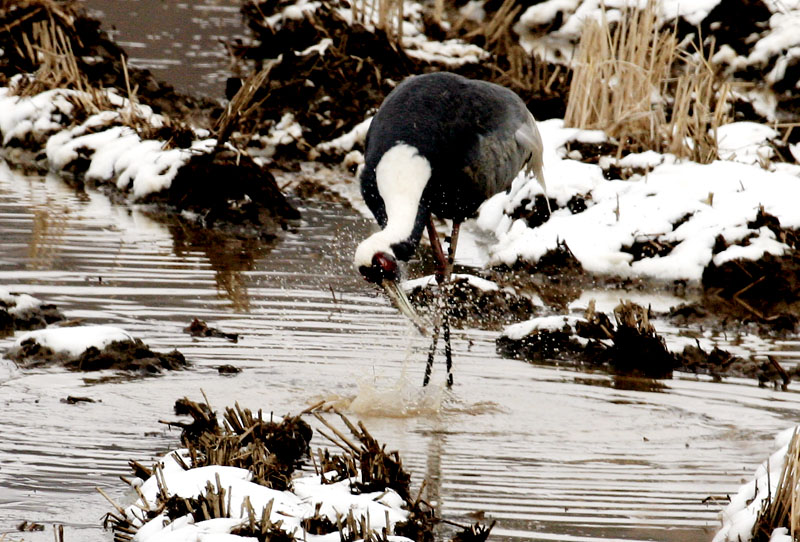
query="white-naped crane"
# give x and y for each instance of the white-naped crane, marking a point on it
(440, 144)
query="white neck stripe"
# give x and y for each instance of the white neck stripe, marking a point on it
(401, 176)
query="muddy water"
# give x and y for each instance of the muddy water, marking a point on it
(179, 41)
(551, 454)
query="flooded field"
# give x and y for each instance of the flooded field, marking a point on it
(552, 454)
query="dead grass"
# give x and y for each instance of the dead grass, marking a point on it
(783, 508)
(389, 15)
(625, 83)
(699, 108)
(50, 47)
(616, 75)
(243, 103)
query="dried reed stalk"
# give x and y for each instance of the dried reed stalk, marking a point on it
(497, 32)
(390, 15)
(622, 75)
(438, 11)
(617, 74)
(699, 109)
(783, 508)
(50, 48)
(243, 104)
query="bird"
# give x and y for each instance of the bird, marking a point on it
(439, 145)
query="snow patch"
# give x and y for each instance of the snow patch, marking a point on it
(73, 341)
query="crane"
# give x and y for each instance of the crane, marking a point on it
(439, 145)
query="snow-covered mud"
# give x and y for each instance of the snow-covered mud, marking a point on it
(552, 454)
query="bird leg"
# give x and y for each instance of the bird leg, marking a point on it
(431, 352)
(438, 253)
(444, 268)
(451, 249)
(451, 256)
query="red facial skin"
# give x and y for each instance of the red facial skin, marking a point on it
(384, 267)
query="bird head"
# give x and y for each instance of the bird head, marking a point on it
(377, 263)
(382, 267)
(375, 259)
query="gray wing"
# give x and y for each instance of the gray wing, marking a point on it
(514, 144)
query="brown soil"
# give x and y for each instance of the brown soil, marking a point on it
(198, 328)
(629, 346)
(543, 346)
(557, 278)
(132, 356)
(33, 318)
(764, 291)
(228, 191)
(330, 92)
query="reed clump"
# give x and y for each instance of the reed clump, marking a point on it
(49, 46)
(269, 450)
(700, 106)
(783, 508)
(632, 79)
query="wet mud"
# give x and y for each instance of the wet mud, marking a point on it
(228, 191)
(628, 345)
(199, 328)
(764, 291)
(32, 317)
(131, 356)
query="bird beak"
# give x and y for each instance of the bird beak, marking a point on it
(400, 300)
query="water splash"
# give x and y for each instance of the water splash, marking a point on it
(396, 398)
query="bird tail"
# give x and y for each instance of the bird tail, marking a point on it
(534, 164)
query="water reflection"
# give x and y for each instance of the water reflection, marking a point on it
(623, 382)
(229, 256)
(47, 235)
(436, 446)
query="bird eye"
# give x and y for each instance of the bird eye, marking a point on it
(384, 267)
(387, 264)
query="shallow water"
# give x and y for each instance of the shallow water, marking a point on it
(552, 454)
(179, 41)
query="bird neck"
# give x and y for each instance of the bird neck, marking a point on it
(401, 176)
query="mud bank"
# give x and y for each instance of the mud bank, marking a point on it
(20, 312)
(627, 344)
(90, 348)
(72, 105)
